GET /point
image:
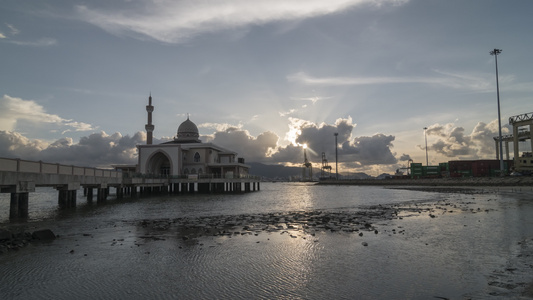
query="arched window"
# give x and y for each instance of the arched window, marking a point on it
(196, 157)
(193, 171)
(186, 171)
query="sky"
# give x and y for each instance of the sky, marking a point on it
(263, 78)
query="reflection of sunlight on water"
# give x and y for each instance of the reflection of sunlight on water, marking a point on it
(295, 260)
(300, 196)
(278, 265)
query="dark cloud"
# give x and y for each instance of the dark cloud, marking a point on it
(321, 138)
(291, 154)
(255, 149)
(405, 157)
(356, 152)
(103, 150)
(369, 150)
(95, 150)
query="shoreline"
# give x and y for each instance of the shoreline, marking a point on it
(507, 181)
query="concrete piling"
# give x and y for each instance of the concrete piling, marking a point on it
(19, 205)
(66, 198)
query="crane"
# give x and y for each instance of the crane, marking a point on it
(307, 167)
(326, 168)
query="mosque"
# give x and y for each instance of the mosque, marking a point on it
(186, 156)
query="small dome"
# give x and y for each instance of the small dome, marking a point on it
(188, 131)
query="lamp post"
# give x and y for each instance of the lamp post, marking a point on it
(426, 137)
(336, 163)
(495, 52)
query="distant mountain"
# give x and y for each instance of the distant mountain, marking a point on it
(359, 175)
(274, 171)
(384, 176)
(285, 173)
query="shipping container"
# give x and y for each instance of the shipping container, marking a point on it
(477, 168)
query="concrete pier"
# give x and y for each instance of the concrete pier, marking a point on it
(20, 177)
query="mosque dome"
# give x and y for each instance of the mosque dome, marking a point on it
(188, 131)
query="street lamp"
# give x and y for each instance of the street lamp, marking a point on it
(495, 52)
(336, 163)
(426, 137)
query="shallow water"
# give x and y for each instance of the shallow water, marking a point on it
(454, 255)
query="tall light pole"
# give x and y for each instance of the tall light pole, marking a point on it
(495, 52)
(336, 163)
(426, 137)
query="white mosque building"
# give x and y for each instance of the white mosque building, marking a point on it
(186, 156)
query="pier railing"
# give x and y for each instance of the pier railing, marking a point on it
(27, 166)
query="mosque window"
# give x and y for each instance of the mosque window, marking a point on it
(196, 157)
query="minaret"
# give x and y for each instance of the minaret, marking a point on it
(149, 127)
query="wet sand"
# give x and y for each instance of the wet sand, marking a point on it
(512, 281)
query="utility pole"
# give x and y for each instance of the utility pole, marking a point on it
(336, 158)
(495, 52)
(426, 137)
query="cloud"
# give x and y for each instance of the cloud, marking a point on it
(256, 149)
(287, 113)
(452, 142)
(481, 83)
(15, 145)
(42, 42)
(303, 78)
(13, 30)
(313, 99)
(219, 126)
(369, 150)
(358, 151)
(405, 157)
(95, 150)
(16, 110)
(102, 150)
(172, 21)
